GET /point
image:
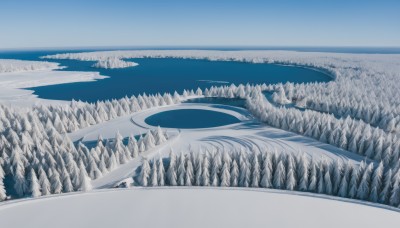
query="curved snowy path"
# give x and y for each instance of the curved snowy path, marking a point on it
(193, 207)
(135, 124)
(248, 134)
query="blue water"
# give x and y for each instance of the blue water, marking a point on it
(169, 75)
(163, 75)
(190, 118)
(236, 102)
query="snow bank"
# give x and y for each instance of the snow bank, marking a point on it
(12, 65)
(194, 207)
(16, 75)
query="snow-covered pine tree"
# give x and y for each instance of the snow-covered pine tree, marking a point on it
(215, 169)
(279, 176)
(205, 176)
(321, 174)
(225, 175)
(234, 174)
(94, 171)
(255, 175)
(3, 195)
(159, 136)
(303, 172)
(149, 140)
(44, 182)
(344, 182)
(266, 173)
(120, 150)
(328, 183)
(244, 170)
(181, 170)
(161, 172)
(337, 170)
(290, 176)
(189, 171)
(198, 168)
(353, 184)
(171, 172)
(312, 187)
(376, 183)
(66, 181)
(133, 147)
(84, 179)
(34, 186)
(102, 165)
(363, 190)
(112, 162)
(55, 182)
(394, 199)
(387, 184)
(20, 184)
(153, 174)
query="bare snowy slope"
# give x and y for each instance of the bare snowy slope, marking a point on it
(196, 207)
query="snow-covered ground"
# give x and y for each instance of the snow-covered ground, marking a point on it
(248, 134)
(136, 124)
(192, 207)
(15, 75)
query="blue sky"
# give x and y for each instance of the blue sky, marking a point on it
(69, 23)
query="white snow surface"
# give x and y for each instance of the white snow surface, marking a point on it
(194, 207)
(15, 75)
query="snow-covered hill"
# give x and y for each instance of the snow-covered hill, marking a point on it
(195, 207)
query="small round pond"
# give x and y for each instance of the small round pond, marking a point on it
(190, 118)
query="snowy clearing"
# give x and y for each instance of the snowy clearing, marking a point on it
(194, 207)
(248, 134)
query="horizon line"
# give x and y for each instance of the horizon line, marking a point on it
(190, 47)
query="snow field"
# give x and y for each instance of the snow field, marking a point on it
(194, 207)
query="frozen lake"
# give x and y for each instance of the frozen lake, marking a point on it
(190, 118)
(155, 75)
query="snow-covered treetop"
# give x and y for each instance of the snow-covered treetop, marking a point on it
(12, 65)
(112, 63)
